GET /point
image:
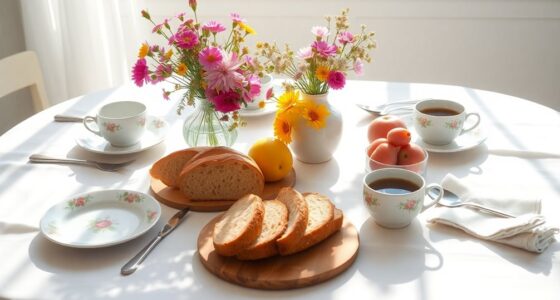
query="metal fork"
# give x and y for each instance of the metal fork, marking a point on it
(110, 167)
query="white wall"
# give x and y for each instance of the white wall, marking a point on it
(512, 47)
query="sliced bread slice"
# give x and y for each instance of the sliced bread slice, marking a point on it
(326, 231)
(240, 226)
(320, 213)
(274, 224)
(168, 168)
(221, 177)
(297, 218)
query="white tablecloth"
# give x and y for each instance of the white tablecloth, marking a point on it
(418, 262)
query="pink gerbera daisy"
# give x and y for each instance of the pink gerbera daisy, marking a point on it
(213, 26)
(185, 39)
(225, 102)
(324, 49)
(336, 80)
(210, 57)
(345, 37)
(225, 76)
(140, 73)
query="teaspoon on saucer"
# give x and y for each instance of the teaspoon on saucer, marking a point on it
(383, 109)
(451, 200)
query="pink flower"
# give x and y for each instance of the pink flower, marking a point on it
(192, 4)
(320, 31)
(103, 224)
(305, 53)
(254, 88)
(185, 39)
(140, 72)
(324, 49)
(213, 26)
(236, 18)
(162, 72)
(336, 80)
(210, 57)
(224, 102)
(181, 16)
(166, 94)
(79, 202)
(359, 67)
(269, 93)
(345, 37)
(157, 28)
(226, 75)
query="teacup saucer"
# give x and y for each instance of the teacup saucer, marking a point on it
(156, 128)
(463, 142)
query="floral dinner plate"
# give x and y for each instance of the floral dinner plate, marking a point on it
(100, 219)
(156, 128)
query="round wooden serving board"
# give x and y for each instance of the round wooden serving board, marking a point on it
(314, 265)
(174, 198)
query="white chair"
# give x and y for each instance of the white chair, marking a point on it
(22, 70)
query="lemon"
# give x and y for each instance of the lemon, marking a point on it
(273, 158)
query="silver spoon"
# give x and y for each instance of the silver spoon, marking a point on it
(384, 108)
(110, 167)
(67, 118)
(451, 200)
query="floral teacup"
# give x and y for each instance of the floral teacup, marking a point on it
(394, 197)
(439, 122)
(121, 123)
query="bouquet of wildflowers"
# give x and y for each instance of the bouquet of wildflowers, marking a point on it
(323, 64)
(203, 62)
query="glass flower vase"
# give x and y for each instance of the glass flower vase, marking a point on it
(311, 145)
(203, 127)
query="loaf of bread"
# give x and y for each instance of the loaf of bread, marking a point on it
(320, 214)
(221, 177)
(240, 226)
(168, 168)
(297, 217)
(274, 224)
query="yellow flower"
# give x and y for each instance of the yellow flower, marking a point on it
(283, 128)
(262, 104)
(248, 29)
(288, 99)
(168, 54)
(322, 73)
(181, 69)
(143, 51)
(315, 114)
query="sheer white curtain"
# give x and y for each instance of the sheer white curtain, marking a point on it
(83, 45)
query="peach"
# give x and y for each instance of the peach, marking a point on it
(379, 127)
(386, 153)
(410, 154)
(374, 145)
(399, 136)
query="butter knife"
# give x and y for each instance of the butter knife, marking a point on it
(133, 264)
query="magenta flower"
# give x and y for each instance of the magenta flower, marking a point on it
(254, 88)
(157, 28)
(210, 57)
(213, 26)
(336, 80)
(185, 39)
(224, 102)
(162, 72)
(140, 73)
(226, 75)
(236, 18)
(320, 31)
(345, 37)
(324, 49)
(359, 67)
(305, 53)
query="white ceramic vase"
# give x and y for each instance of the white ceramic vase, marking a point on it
(310, 145)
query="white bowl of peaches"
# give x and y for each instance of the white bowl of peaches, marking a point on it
(390, 146)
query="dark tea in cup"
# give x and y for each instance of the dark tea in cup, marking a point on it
(394, 186)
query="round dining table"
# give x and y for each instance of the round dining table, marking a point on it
(420, 261)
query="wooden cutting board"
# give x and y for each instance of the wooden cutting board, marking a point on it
(314, 265)
(174, 198)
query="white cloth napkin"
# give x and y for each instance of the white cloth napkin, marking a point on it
(526, 231)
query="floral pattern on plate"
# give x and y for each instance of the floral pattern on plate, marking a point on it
(78, 202)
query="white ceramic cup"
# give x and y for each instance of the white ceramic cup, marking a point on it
(266, 84)
(121, 123)
(441, 129)
(397, 210)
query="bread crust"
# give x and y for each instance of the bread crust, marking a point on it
(248, 234)
(267, 248)
(293, 201)
(157, 169)
(309, 240)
